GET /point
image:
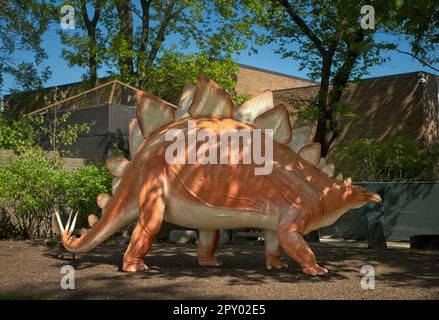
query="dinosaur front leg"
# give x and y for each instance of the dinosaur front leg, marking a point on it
(295, 246)
(207, 244)
(152, 207)
(272, 251)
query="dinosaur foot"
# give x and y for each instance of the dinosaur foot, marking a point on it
(315, 270)
(137, 266)
(209, 262)
(274, 262)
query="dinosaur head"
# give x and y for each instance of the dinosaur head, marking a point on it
(355, 196)
(343, 196)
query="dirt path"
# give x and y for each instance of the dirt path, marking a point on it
(28, 270)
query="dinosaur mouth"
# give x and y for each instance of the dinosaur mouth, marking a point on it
(375, 197)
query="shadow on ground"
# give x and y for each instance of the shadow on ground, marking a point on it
(174, 274)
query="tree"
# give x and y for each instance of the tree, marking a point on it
(397, 158)
(22, 25)
(86, 46)
(167, 26)
(417, 22)
(329, 41)
(173, 70)
(135, 42)
(326, 37)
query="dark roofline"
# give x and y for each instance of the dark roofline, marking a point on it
(103, 80)
(367, 79)
(273, 72)
(298, 88)
(67, 85)
(400, 74)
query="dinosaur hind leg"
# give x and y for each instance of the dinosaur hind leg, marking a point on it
(207, 244)
(152, 208)
(272, 251)
(139, 245)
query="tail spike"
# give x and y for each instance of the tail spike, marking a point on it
(60, 225)
(72, 226)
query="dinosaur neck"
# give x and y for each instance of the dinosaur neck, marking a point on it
(334, 197)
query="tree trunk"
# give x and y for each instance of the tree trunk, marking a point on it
(124, 11)
(323, 131)
(93, 71)
(91, 32)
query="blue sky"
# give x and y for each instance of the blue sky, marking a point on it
(265, 58)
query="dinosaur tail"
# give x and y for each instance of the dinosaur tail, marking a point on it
(117, 215)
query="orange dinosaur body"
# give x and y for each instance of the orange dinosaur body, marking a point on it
(295, 198)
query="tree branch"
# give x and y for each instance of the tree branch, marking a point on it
(146, 6)
(422, 61)
(161, 33)
(336, 39)
(302, 25)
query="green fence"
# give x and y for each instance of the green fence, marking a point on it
(407, 209)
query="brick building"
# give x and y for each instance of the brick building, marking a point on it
(407, 103)
(251, 80)
(111, 105)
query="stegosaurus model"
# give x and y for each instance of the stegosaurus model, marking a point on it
(296, 197)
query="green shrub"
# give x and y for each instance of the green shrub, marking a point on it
(34, 183)
(7, 228)
(31, 186)
(397, 158)
(84, 185)
(19, 134)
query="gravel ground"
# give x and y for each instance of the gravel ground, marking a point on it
(29, 270)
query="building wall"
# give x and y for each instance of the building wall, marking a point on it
(109, 130)
(120, 117)
(431, 111)
(251, 80)
(383, 105)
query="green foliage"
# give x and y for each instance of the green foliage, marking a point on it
(173, 70)
(31, 186)
(35, 183)
(84, 185)
(25, 132)
(418, 23)
(143, 56)
(58, 131)
(327, 40)
(397, 158)
(19, 135)
(22, 24)
(239, 99)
